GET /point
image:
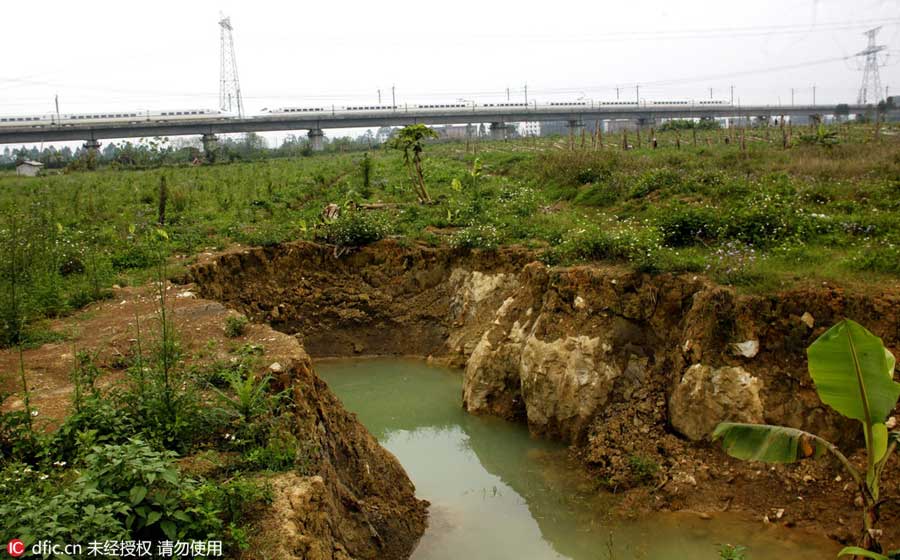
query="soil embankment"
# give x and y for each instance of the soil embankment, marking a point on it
(633, 370)
(357, 501)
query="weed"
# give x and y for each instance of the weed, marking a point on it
(235, 326)
(732, 552)
(643, 469)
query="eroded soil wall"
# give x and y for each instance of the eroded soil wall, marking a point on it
(619, 364)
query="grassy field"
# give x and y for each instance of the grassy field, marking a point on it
(733, 204)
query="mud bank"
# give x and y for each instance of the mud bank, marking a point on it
(631, 369)
(356, 502)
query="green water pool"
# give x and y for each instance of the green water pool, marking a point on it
(498, 494)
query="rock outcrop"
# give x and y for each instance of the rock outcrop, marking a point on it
(706, 396)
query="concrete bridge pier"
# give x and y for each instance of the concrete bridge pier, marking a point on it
(210, 142)
(498, 131)
(576, 127)
(317, 139)
(92, 146)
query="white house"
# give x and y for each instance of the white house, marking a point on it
(29, 168)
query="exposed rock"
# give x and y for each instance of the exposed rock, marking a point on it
(747, 349)
(275, 367)
(301, 520)
(707, 396)
(564, 383)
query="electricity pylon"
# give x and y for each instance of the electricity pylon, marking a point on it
(229, 86)
(870, 91)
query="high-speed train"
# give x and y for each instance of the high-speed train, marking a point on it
(122, 117)
(471, 106)
(139, 117)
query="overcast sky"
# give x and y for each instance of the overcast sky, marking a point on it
(104, 54)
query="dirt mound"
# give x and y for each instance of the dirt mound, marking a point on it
(358, 504)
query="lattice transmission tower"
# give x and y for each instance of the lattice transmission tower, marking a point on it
(870, 91)
(229, 85)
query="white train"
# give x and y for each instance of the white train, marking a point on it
(443, 107)
(123, 117)
(138, 117)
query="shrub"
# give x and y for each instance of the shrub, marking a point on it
(883, 257)
(132, 257)
(601, 194)
(640, 247)
(683, 225)
(235, 326)
(354, 228)
(579, 167)
(654, 180)
(126, 491)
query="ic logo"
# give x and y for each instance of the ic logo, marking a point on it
(15, 548)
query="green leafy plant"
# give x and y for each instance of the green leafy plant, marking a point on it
(410, 139)
(732, 552)
(354, 228)
(249, 397)
(853, 373)
(235, 326)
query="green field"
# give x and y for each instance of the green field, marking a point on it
(745, 211)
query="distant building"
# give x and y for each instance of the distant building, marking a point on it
(530, 128)
(29, 168)
(455, 132)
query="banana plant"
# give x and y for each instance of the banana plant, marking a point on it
(854, 375)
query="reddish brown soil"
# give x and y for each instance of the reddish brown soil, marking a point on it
(361, 504)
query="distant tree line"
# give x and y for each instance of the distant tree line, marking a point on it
(153, 152)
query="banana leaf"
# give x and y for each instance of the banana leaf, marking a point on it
(769, 444)
(853, 372)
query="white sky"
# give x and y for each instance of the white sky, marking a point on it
(106, 55)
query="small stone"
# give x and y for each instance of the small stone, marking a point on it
(779, 513)
(747, 349)
(186, 295)
(275, 367)
(838, 478)
(705, 516)
(808, 319)
(807, 478)
(579, 302)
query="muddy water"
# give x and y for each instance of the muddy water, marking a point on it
(498, 494)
